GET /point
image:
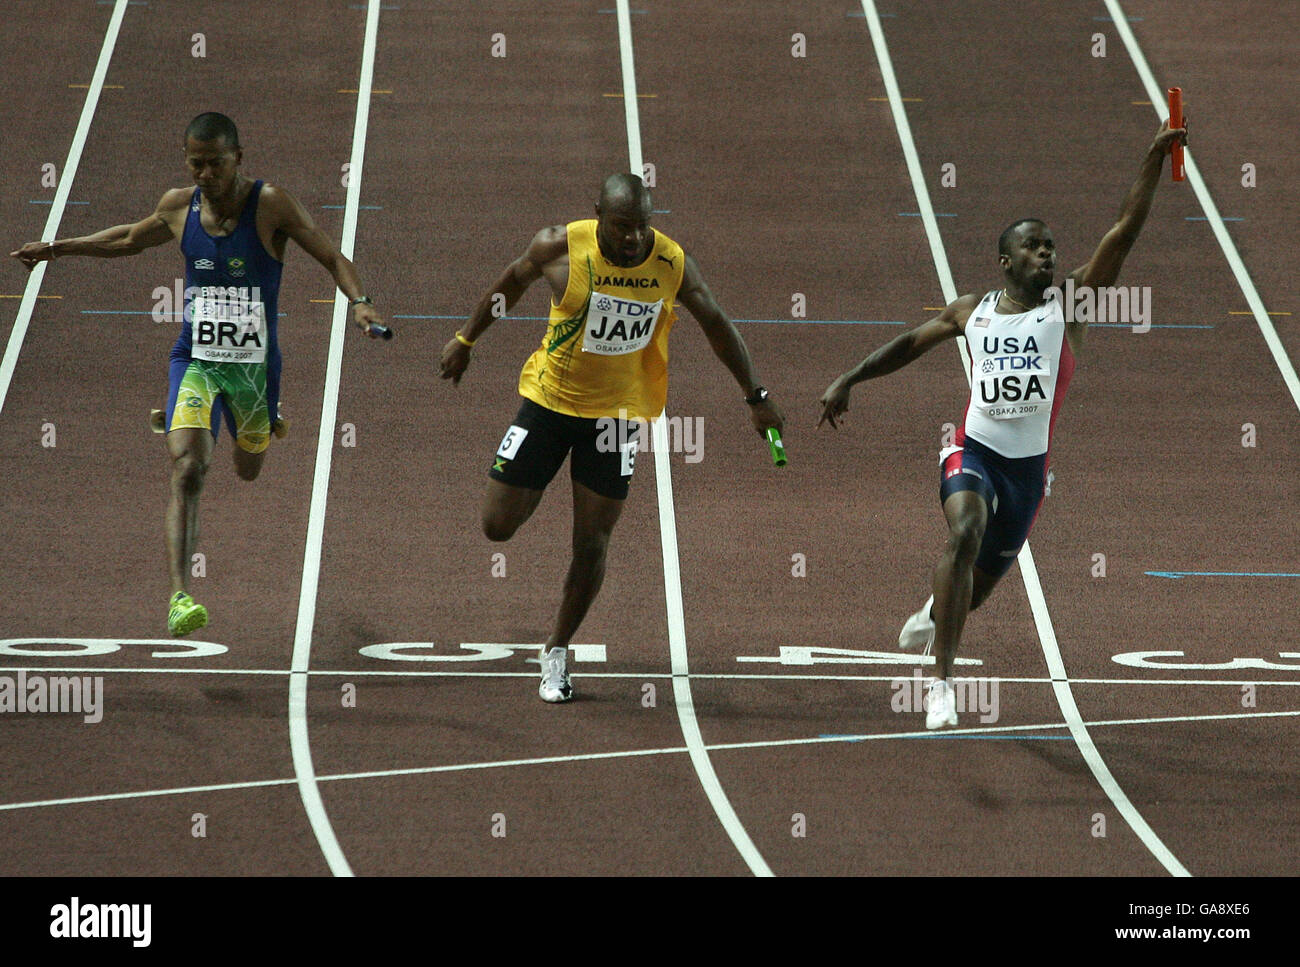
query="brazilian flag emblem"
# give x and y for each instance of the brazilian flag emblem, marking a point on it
(235, 267)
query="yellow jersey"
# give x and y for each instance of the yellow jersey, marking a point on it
(605, 352)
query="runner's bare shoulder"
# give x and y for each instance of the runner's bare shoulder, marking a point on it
(958, 311)
(281, 205)
(173, 208)
(549, 244)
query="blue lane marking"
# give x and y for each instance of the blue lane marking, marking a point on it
(948, 735)
(789, 322)
(936, 214)
(50, 201)
(837, 322)
(1176, 575)
(1222, 218)
(1129, 325)
(139, 312)
(527, 318)
(370, 208)
(827, 322)
(661, 211)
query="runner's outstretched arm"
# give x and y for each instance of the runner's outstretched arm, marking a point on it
(895, 354)
(112, 242)
(291, 219)
(1103, 268)
(726, 342)
(547, 245)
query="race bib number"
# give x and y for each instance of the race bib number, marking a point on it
(512, 441)
(627, 455)
(616, 326)
(1014, 386)
(228, 325)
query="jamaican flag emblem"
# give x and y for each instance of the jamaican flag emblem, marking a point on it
(565, 330)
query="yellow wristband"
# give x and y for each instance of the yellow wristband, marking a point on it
(463, 341)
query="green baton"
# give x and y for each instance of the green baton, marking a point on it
(776, 446)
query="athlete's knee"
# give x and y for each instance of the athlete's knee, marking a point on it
(965, 534)
(188, 471)
(248, 469)
(499, 527)
(591, 546)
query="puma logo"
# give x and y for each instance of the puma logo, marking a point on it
(664, 258)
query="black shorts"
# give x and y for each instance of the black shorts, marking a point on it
(532, 450)
(1011, 487)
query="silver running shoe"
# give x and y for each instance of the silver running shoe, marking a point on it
(555, 685)
(940, 705)
(918, 631)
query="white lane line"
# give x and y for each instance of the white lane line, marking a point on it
(637, 753)
(148, 794)
(703, 676)
(299, 738)
(1159, 102)
(1038, 604)
(50, 232)
(682, 698)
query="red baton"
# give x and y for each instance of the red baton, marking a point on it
(1176, 121)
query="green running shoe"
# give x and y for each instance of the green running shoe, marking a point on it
(185, 616)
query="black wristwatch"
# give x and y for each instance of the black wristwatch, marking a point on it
(365, 300)
(760, 395)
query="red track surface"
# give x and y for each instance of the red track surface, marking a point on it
(781, 175)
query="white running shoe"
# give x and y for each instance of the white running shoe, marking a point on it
(555, 685)
(940, 704)
(918, 630)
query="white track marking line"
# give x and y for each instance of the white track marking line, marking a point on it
(1038, 604)
(37, 274)
(704, 676)
(632, 754)
(682, 698)
(299, 738)
(1158, 100)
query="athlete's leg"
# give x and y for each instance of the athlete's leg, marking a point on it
(983, 585)
(249, 398)
(594, 518)
(954, 578)
(531, 452)
(506, 507)
(247, 465)
(190, 449)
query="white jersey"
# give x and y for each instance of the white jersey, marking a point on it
(1021, 365)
